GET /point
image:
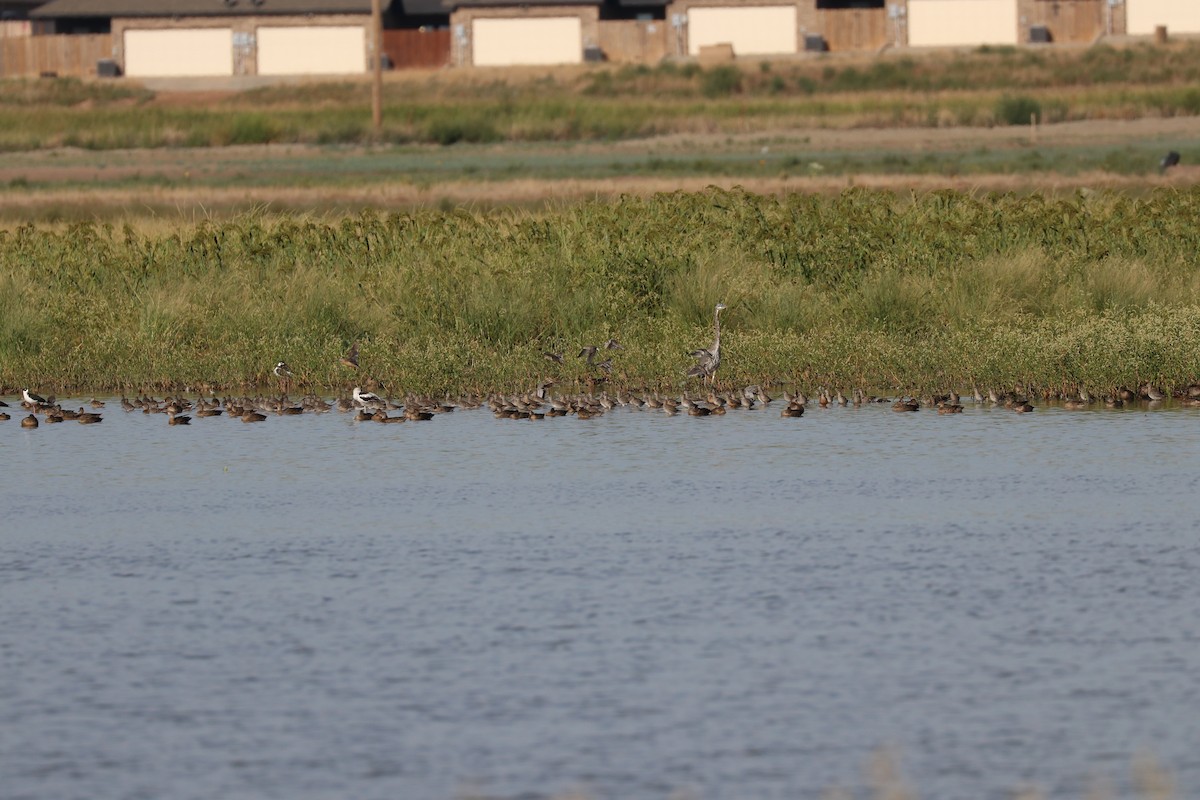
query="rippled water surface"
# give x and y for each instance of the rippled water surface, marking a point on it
(630, 606)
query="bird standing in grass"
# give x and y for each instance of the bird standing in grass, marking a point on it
(351, 358)
(1171, 159)
(284, 374)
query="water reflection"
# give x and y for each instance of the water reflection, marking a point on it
(636, 604)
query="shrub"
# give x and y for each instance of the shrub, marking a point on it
(1017, 110)
(462, 129)
(252, 129)
(720, 81)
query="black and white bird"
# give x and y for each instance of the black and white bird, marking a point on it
(32, 398)
(1171, 159)
(365, 399)
(284, 374)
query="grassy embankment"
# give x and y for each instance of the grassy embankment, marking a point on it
(1001, 86)
(865, 289)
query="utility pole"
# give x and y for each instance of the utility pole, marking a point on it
(377, 66)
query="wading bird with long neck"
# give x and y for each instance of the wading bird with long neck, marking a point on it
(708, 360)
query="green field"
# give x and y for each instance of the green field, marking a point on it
(987, 87)
(865, 289)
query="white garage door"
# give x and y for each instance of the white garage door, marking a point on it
(313, 50)
(752, 30)
(1180, 16)
(959, 23)
(541, 40)
(178, 52)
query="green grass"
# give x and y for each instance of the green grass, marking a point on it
(601, 103)
(861, 289)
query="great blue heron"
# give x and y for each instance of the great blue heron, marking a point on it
(1171, 159)
(708, 360)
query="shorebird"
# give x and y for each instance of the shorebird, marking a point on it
(31, 398)
(365, 398)
(351, 357)
(284, 374)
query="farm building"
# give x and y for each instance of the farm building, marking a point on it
(163, 38)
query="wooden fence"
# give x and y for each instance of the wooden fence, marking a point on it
(408, 48)
(74, 55)
(855, 28)
(1078, 21)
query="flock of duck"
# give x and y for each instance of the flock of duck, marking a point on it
(541, 402)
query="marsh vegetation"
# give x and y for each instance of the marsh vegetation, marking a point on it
(865, 289)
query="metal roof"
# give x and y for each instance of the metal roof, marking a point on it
(198, 8)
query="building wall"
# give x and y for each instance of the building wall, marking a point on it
(630, 41)
(244, 49)
(527, 44)
(962, 23)
(1179, 16)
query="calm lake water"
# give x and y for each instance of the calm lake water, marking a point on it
(633, 606)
